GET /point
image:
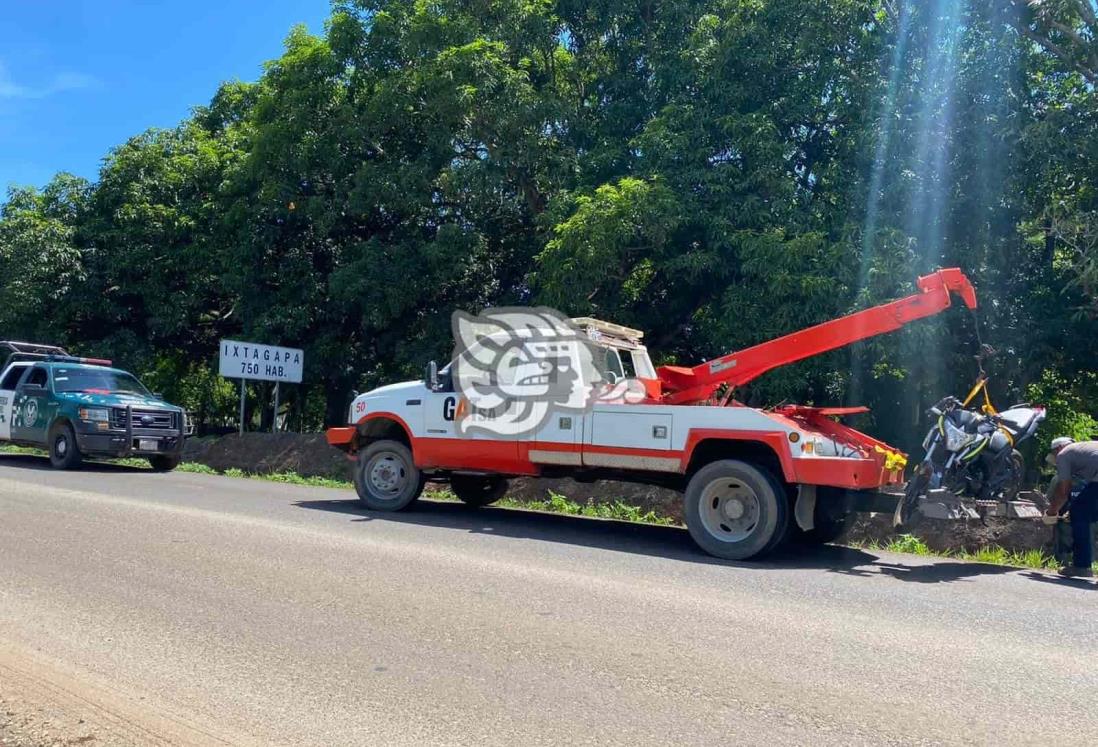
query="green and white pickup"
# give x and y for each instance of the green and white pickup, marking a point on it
(76, 407)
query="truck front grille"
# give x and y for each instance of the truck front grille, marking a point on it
(146, 420)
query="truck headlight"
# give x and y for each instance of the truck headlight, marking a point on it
(95, 414)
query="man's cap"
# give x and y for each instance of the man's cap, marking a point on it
(1061, 442)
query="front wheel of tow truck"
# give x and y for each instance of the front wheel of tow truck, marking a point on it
(478, 490)
(163, 462)
(735, 510)
(386, 478)
(64, 451)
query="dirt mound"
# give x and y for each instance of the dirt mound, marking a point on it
(1016, 535)
(307, 454)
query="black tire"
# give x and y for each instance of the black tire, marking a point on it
(386, 478)
(736, 510)
(63, 449)
(825, 530)
(164, 462)
(1017, 473)
(907, 514)
(478, 490)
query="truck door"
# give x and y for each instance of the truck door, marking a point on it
(8, 384)
(30, 416)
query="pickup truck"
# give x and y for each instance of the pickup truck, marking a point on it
(75, 407)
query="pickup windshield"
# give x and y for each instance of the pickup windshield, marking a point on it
(96, 381)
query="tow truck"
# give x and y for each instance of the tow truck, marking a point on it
(75, 407)
(750, 477)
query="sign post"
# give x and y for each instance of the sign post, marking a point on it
(251, 361)
(274, 420)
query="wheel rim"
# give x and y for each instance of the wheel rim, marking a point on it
(386, 474)
(61, 446)
(730, 510)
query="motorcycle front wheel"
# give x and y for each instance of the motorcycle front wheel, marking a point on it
(907, 511)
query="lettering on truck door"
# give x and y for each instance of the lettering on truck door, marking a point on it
(29, 416)
(8, 385)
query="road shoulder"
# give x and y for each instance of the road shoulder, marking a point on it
(45, 703)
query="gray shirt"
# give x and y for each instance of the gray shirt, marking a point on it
(1078, 461)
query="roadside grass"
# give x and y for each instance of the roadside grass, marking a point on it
(11, 449)
(992, 554)
(617, 510)
(560, 504)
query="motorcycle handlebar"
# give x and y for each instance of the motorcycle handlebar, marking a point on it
(943, 406)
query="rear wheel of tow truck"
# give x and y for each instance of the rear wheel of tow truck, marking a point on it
(163, 462)
(736, 510)
(63, 450)
(825, 529)
(386, 478)
(478, 490)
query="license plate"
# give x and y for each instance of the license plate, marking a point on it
(148, 444)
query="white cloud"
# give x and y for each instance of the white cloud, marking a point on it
(59, 83)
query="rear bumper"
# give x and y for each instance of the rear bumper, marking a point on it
(844, 472)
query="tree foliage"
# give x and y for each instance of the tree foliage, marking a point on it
(716, 172)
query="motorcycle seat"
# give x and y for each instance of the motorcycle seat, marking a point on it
(1018, 420)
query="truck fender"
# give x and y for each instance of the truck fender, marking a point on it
(775, 443)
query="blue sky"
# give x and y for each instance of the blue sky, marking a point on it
(78, 77)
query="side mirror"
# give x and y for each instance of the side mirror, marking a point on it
(430, 376)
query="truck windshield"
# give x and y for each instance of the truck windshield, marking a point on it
(97, 381)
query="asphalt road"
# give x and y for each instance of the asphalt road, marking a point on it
(145, 608)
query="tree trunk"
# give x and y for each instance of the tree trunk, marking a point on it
(337, 398)
(266, 403)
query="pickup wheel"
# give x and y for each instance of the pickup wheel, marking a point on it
(386, 478)
(736, 510)
(163, 462)
(478, 490)
(63, 450)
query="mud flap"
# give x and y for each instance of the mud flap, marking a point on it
(805, 509)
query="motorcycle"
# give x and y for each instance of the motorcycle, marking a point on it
(972, 452)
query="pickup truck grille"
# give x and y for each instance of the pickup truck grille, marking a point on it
(148, 420)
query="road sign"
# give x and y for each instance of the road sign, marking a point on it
(247, 360)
